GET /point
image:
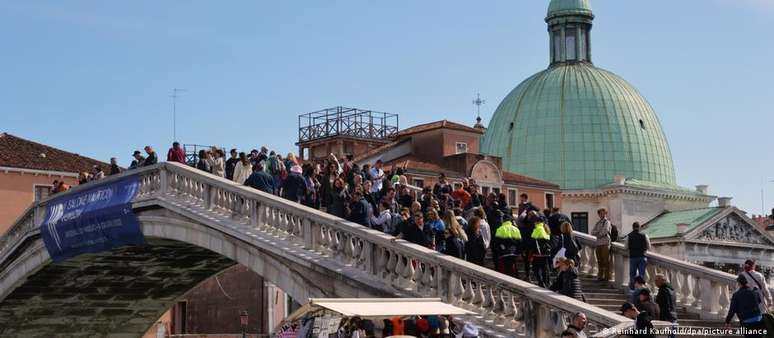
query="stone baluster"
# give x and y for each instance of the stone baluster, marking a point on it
(400, 265)
(490, 303)
(586, 260)
(697, 291)
(592, 261)
(710, 298)
(391, 267)
(478, 299)
(677, 282)
(408, 273)
(621, 269)
(469, 295)
(724, 298)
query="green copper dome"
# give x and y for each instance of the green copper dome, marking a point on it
(577, 125)
(569, 7)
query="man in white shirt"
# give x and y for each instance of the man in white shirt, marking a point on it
(755, 280)
(377, 175)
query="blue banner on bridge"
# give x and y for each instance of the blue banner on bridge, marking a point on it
(96, 219)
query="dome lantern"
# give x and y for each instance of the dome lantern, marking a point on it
(569, 28)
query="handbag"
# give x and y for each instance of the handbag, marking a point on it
(560, 254)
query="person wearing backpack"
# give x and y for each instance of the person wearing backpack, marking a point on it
(601, 231)
(757, 283)
(638, 244)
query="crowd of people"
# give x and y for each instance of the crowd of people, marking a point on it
(459, 220)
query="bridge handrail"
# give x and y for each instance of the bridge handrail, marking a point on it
(508, 302)
(701, 290)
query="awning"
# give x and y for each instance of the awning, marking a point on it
(380, 307)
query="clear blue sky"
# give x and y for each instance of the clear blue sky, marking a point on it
(94, 77)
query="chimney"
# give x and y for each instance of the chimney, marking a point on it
(724, 202)
(682, 228)
(619, 179)
(702, 189)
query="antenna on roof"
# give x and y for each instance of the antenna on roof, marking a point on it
(174, 97)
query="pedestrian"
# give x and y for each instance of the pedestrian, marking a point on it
(260, 180)
(413, 230)
(438, 227)
(745, 305)
(377, 175)
(114, 168)
(566, 244)
(486, 229)
(453, 246)
(383, 221)
(360, 209)
(601, 231)
(176, 153)
(203, 163)
(450, 221)
(578, 324)
(97, 173)
(152, 158)
(645, 303)
(294, 186)
(243, 170)
(639, 286)
(84, 178)
(475, 249)
(525, 205)
(567, 282)
(231, 164)
(218, 164)
(642, 321)
(506, 247)
(757, 282)
(555, 221)
(462, 195)
(666, 300)
(541, 250)
(311, 199)
(138, 160)
(638, 245)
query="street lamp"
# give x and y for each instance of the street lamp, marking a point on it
(243, 320)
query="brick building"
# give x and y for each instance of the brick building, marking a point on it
(427, 150)
(27, 171)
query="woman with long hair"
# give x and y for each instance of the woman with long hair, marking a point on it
(243, 169)
(437, 226)
(567, 282)
(204, 161)
(450, 220)
(338, 199)
(475, 250)
(218, 163)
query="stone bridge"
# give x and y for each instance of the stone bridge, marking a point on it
(197, 225)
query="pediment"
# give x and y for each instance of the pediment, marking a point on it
(731, 228)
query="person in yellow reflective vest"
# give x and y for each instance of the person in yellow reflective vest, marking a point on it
(538, 247)
(506, 246)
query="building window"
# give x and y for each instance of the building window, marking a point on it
(485, 191)
(42, 191)
(418, 182)
(642, 124)
(512, 193)
(496, 191)
(570, 42)
(461, 148)
(557, 46)
(549, 200)
(580, 221)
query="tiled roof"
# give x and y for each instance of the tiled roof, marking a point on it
(379, 150)
(412, 163)
(436, 125)
(665, 225)
(510, 177)
(17, 152)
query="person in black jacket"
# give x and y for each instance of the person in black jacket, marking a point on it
(413, 230)
(666, 300)
(260, 180)
(566, 240)
(745, 306)
(231, 164)
(638, 244)
(645, 303)
(454, 245)
(642, 320)
(152, 158)
(475, 248)
(567, 282)
(294, 186)
(338, 197)
(555, 221)
(360, 210)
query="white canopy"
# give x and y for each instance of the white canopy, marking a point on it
(380, 307)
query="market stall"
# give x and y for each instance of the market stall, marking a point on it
(372, 317)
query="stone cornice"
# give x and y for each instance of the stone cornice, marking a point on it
(608, 191)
